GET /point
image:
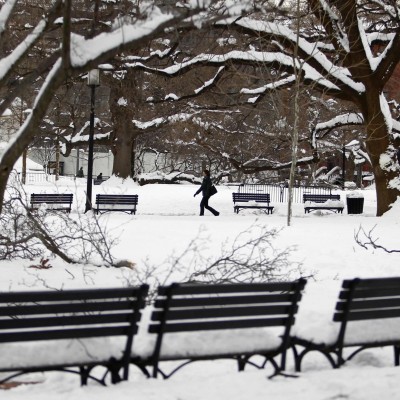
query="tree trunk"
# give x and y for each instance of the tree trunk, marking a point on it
(57, 160)
(378, 143)
(125, 101)
(24, 155)
(122, 150)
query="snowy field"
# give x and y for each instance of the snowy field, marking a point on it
(322, 247)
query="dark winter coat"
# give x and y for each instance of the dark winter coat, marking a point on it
(205, 187)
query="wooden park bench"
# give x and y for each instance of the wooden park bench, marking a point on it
(367, 315)
(54, 201)
(252, 200)
(195, 322)
(72, 331)
(329, 202)
(116, 202)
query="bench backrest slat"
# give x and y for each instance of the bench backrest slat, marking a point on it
(201, 313)
(57, 334)
(369, 283)
(60, 308)
(76, 294)
(368, 299)
(119, 199)
(71, 320)
(257, 197)
(70, 314)
(196, 289)
(226, 300)
(371, 293)
(320, 198)
(52, 197)
(369, 304)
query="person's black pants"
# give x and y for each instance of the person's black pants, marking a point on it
(204, 204)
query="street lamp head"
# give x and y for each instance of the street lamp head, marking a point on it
(93, 77)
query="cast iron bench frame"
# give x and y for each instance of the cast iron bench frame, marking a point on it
(118, 201)
(73, 314)
(321, 198)
(262, 200)
(193, 307)
(359, 300)
(59, 201)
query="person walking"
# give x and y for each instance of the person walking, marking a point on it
(206, 189)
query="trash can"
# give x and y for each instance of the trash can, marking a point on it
(355, 203)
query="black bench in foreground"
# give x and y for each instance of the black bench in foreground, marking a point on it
(196, 322)
(116, 202)
(251, 200)
(368, 315)
(330, 202)
(55, 201)
(34, 324)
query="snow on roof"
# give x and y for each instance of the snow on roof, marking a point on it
(30, 165)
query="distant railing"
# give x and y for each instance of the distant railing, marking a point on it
(279, 192)
(39, 177)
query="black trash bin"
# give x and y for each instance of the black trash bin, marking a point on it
(355, 203)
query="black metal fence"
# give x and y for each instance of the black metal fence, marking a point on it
(280, 193)
(40, 177)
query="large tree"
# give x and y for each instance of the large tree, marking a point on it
(348, 50)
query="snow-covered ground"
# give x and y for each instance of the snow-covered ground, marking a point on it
(322, 246)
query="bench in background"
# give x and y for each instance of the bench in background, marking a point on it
(116, 202)
(217, 321)
(44, 318)
(329, 202)
(368, 315)
(251, 200)
(55, 201)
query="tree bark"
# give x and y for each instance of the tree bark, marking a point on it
(125, 101)
(122, 149)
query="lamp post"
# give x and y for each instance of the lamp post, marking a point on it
(343, 166)
(92, 82)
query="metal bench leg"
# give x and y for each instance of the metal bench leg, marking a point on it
(84, 372)
(396, 355)
(242, 361)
